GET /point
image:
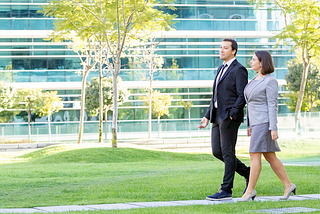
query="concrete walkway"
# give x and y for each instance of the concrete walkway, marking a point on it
(131, 205)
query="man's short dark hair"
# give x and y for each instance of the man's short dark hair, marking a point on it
(234, 44)
(266, 61)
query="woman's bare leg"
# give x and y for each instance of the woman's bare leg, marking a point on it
(255, 169)
(279, 169)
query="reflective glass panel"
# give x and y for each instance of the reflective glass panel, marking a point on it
(20, 24)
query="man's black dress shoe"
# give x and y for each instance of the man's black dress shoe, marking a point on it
(220, 195)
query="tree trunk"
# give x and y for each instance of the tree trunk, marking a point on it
(301, 94)
(189, 123)
(150, 109)
(83, 96)
(106, 124)
(29, 126)
(49, 127)
(100, 100)
(159, 127)
(115, 107)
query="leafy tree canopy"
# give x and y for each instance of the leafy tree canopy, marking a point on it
(92, 94)
(160, 103)
(49, 103)
(6, 96)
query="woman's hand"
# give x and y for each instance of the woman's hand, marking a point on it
(274, 135)
(248, 131)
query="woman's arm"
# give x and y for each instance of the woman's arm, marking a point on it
(272, 100)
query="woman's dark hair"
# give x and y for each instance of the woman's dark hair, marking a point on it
(234, 44)
(266, 60)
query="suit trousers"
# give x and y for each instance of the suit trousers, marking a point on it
(224, 135)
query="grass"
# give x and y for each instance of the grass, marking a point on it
(237, 208)
(67, 175)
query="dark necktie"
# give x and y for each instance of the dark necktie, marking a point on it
(219, 75)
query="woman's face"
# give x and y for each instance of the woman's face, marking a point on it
(255, 63)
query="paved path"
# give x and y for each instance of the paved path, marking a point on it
(147, 204)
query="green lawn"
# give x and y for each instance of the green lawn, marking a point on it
(236, 208)
(65, 175)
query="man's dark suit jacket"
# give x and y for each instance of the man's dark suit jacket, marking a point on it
(230, 94)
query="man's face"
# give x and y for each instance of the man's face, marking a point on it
(226, 52)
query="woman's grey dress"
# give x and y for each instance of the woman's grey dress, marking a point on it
(261, 140)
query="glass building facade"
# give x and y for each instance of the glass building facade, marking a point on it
(27, 59)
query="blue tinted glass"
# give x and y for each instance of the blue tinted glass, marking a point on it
(38, 24)
(20, 1)
(38, 64)
(5, 64)
(205, 13)
(5, 11)
(190, 75)
(5, 24)
(236, 25)
(205, 25)
(33, 11)
(21, 76)
(220, 13)
(56, 64)
(40, 1)
(272, 25)
(40, 76)
(49, 24)
(207, 74)
(73, 63)
(72, 76)
(20, 11)
(251, 25)
(5, 53)
(160, 75)
(20, 24)
(174, 74)
(56, 76)
(127, 75)
(205, 62)
(20, 64)
(189, 25)
(221, 25)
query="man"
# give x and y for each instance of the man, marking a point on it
(226, 114)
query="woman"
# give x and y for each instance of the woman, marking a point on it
(261, 95)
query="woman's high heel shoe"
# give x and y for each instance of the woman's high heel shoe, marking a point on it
(252, 195)
(291, 190)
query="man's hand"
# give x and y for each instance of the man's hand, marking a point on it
(248, 131)
(274, 135)
(204, 122)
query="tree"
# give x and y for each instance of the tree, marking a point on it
(152, 62)
(160, 105)
(187, 105)
(30, 99)
(174, 74)
(116, 24)
(70, 25)
(7, 76)
(302, 29)
(312, 90)
(6, 96)
(292, 102)
(49, 103)
(93, 102)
